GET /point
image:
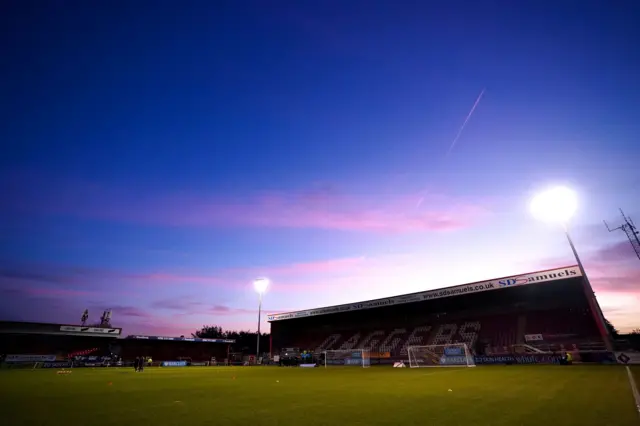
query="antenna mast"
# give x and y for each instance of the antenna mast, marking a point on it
(630, 229)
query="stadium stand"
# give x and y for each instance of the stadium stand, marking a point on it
(544, 311)
(54, 339)
(56, 344)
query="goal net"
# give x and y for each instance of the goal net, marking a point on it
(347, 357)
(452, 355)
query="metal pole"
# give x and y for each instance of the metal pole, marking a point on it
(258, 340)
(591, 298)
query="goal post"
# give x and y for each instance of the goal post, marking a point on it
(347, 358)
(451, 355)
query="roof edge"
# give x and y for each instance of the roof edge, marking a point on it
(468, 288)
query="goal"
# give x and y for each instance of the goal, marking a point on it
(347, 357)
(452, 355)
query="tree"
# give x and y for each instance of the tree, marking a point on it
(610, 327)
(210, 332)
(636, 332)
(245, 341)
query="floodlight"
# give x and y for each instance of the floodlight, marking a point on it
(555, 205)
(261, 285)
(558, 205)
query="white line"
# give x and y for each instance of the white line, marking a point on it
(473, 108)
(634, 389)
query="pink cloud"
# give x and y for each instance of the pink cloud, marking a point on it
(614, 273)
(610, 268)
(131, 311)
(370, 211)
(177, 278)
(614, 278)
(321, 266)
(615, 252)
(183, 322)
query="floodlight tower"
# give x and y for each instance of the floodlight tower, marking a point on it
(630, 229)
(260, 285)
(558, 205)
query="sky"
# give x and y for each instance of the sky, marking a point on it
(157, 156)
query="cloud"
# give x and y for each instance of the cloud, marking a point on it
(74, 279)
(25, 275)
(321, 266)
(130, 311)
(617, 252)
(179, 315)
(614, 268)
(172, 278)
(27, 304)
(189, 306)
(77, 279)
(229, 311)
(57, 292)
(370, 211)
(614, 274)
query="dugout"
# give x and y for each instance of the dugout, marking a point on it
(548, 307)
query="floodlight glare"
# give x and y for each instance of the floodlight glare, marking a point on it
(558, 205)
(261, 285)
(555, 205)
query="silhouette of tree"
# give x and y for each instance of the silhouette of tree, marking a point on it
(210, 332)
(611, 328)
(245, 340)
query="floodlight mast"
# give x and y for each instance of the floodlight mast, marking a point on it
(260, 285)
(629, 228)
(558, 205)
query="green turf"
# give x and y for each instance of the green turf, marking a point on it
(636, 371)
(495, 396)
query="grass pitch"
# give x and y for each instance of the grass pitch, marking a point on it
(198, 396)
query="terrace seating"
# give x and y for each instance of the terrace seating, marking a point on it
(499, 331)
(328, 343)
(82, 353)
(565, 328)
(418, 336)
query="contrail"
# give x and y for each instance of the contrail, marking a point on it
(473, 108)
(453, 144)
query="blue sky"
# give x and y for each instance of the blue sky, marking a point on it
(159, 156)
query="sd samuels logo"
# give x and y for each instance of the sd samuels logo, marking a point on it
(540, 277)
(512, 281)
(498, 283)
